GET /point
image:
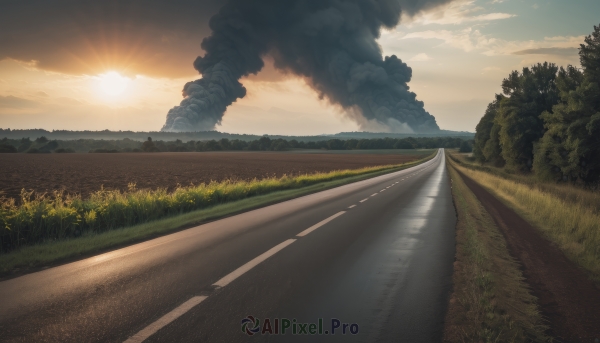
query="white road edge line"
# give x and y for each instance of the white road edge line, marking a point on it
(363, 200)
(224, 281)
(352, 206)
(165, 320)
(319, 224)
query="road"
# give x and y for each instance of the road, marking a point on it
(374, 256)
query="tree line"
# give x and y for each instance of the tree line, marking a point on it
(547, 120)
(43, 145)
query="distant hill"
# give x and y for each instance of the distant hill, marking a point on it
(207, 135)
(369, 135)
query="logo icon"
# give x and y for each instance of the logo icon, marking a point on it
(250, 325)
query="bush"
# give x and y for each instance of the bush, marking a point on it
(149, 146)
(104, 151)
(49, 147)
(42, 140)
(7, 148)
(37, 151)
(64, 151)
(25, 144)
(465, 147)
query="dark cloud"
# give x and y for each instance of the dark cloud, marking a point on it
(549, 51)
(152, 37)
(331, 43)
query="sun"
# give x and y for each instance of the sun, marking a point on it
(112, 83)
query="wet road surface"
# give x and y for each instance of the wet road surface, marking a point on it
(374, 257)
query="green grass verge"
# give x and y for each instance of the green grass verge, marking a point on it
(33, 257)
(574, 228)
(565, 191)
(490, 301)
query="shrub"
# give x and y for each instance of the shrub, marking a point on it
(465, 147)
(7, 148)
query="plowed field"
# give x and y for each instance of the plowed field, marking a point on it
(86, 173)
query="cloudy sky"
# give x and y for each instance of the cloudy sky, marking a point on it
(79, 65)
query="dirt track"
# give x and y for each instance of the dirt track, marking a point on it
(86, 173)
(568, 299)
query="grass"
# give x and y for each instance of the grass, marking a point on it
(491, 301)
(559, 213)
(362, 152)
(95, 241)
(567, 192)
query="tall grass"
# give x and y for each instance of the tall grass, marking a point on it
(574, 194)
(38, 218)
(575, 228)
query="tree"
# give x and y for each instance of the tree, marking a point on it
(551, 155)
(25, 144)
(148, 146)
(7, 148)
(335, 144)
(486, 147)
(570, 148)
(589, 56)
(465, 146)
(42, 140)
(528, 95)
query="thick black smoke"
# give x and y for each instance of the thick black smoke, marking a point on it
(331, 43)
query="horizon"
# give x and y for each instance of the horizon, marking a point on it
(459, 52)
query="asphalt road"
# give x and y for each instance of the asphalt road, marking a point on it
(374, 256)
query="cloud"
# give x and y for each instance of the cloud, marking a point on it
(548, 51)
(420, 58)
(151, 37)
(473, 40)
(16, 103)
(454, 13)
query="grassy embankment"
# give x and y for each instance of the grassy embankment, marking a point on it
(490, 300)
(566, 215)
(44, 230)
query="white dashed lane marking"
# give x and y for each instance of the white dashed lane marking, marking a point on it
(191, 303)
(165, 320)
(253, 263)
(319, 224)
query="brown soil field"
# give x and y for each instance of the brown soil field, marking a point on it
(568, 299)
(86, 173)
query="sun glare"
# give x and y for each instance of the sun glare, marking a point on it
(113, 84)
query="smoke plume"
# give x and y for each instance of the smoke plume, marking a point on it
(330, 43)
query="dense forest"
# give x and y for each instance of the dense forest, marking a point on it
(44, 145)
(547, 121)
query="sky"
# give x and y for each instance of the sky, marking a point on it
(93, 67)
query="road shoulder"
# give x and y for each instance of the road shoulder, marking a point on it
(490, 300)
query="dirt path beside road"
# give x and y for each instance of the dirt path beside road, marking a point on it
(567, 297)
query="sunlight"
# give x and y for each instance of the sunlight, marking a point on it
(112, 83)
